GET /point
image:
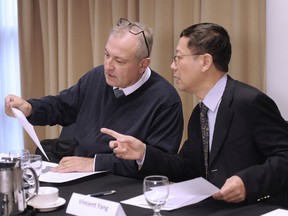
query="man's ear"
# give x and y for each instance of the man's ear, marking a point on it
(207, 62)
(144, 64)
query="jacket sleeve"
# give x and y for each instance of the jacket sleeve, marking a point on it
(270, 132)
(177, 167)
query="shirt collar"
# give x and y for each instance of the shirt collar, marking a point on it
(213, 98)
(130, 89)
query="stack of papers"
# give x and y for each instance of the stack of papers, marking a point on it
(180, 194)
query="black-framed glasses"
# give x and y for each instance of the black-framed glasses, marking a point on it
(176, 58)
(134, 29)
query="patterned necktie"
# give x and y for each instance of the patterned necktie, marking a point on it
(205, 134)
(118, 93)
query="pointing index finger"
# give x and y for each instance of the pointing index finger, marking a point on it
(111, 133)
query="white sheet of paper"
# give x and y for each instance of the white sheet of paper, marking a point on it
(29, 128)
(277, 212)
(180, 194)
(56, 177)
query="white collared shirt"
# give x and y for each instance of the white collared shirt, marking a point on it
(212, 101)
(130, 89)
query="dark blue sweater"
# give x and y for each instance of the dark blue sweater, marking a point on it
(153, 114)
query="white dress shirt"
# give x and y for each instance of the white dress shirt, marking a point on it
(212, 101)
(130, 89)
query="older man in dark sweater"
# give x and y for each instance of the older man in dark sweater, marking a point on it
(150, 108)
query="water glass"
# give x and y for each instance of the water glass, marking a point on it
(22, 155)
(156, 192)
(36, 163)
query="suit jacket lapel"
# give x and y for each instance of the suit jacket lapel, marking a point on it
(223, 119)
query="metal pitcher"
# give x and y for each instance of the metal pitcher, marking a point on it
(11, 186)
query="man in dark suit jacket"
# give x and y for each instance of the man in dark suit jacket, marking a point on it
(248, 138)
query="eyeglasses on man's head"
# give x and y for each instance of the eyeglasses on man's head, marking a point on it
(134, 29)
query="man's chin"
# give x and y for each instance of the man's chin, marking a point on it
(111, 82)
(180, 87)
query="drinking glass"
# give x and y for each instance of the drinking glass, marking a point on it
(156, 192)
(22, 155)
(36, 163)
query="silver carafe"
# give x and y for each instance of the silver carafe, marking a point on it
(12, 186)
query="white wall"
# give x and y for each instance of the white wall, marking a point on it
(277, 53)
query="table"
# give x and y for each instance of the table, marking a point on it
(127, 188)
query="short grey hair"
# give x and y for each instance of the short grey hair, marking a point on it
(142, 51)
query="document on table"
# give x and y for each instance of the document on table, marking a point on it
(180, 194)
(56, 177)
(277, 212)
(29, 128)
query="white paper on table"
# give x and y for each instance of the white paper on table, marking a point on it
(277, 212)
(29, 128)
(56, 177)
(3, 155)
(180, 194)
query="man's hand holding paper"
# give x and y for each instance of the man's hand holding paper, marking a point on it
(12, 101)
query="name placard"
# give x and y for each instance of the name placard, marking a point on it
(85, 205)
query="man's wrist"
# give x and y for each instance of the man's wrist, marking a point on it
(141, 161)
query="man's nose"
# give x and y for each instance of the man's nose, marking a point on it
(109, 63)
(173, 66)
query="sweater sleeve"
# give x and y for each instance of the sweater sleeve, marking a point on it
(165, 136)
(60, 109)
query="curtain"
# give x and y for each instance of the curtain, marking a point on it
(11, 135)
(61, 40)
